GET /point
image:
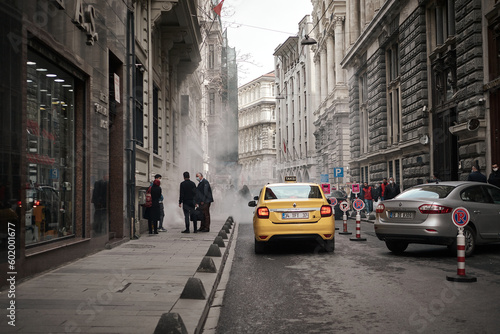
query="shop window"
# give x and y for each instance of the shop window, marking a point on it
(50, 151)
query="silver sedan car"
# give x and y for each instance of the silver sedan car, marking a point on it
(422, 214)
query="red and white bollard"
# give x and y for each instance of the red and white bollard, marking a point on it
(460, 253)
(344, 217)
(461, 277)
(358, 228)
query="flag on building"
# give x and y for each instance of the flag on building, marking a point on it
(218, 8)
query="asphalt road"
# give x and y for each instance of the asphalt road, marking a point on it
(360, 288)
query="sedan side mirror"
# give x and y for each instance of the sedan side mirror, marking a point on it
(252, 203)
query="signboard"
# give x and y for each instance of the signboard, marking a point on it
(54, 174)
(460, 217)
(333, 201)
(358, 204)
(324, 178)
(338, 171)
(325, 187)
(117, 87)
(355, 188)
(344, 206)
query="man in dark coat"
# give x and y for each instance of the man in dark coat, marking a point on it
(204, 198)
(476, 175)
(494, 178)
(392, 189)
(155, 209)
(186, 200)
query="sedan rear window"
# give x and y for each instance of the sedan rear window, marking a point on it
(295, 191)
(428, 191)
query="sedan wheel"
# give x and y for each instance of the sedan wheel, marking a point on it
(395, 246)
(470, 242)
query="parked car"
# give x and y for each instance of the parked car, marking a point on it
(291, 211)
(340, 196)
(422, 214)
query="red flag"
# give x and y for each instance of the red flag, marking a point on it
(218, 8)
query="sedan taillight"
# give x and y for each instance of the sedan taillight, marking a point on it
(380, 208)
(434, 209)
(263, 212)
(326, 211)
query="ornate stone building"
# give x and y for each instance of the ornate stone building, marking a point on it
(422, 89)
(331, 108)
(257, 133)
(296, 151)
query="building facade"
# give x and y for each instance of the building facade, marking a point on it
(331, 99)
(257, 133)
(98, 97)
(422, 89)
(295, 139)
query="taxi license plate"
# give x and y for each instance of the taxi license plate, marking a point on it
(408, 215)
(295, 215)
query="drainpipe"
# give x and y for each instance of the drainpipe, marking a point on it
(131, 131)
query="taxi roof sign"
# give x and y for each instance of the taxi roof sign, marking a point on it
(290, 179)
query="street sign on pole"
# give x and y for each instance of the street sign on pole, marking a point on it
(324, 178)
(338, 171)
(326, 188)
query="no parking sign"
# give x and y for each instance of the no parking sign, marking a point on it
(460, 217)
(358, 204)
(344, 206)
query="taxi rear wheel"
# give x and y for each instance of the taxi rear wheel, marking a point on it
(329, 245)
(259, 247)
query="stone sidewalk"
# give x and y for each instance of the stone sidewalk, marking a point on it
(127, 289)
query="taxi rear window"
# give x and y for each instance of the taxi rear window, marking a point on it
(295, 191)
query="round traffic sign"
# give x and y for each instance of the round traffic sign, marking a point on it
(344, 206)
(358, 204)
(460, 217)
(333, 201)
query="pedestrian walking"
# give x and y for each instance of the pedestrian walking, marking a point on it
(382, 188)
(155, 209)
(494, 177)
(203, 199)
(367, 194)
(476, 175)
(187, 194)
(391, 189)
(162, 210)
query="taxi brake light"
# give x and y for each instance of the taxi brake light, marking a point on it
(327, 235)
(263, 212)
(326, 211)
(380, 208)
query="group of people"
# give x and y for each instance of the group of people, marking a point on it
(477, 176)
(192, 199)
(387, 189)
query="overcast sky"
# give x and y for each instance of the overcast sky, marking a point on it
(257, 27)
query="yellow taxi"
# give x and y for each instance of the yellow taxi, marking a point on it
(292, 210)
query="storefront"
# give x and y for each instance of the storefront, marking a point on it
(61, 111)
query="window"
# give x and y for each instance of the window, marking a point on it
(393, 94)
(155, 120)
(50, 151)
(139, 107)
(211, 56)
(211, 106)
(363, 110)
